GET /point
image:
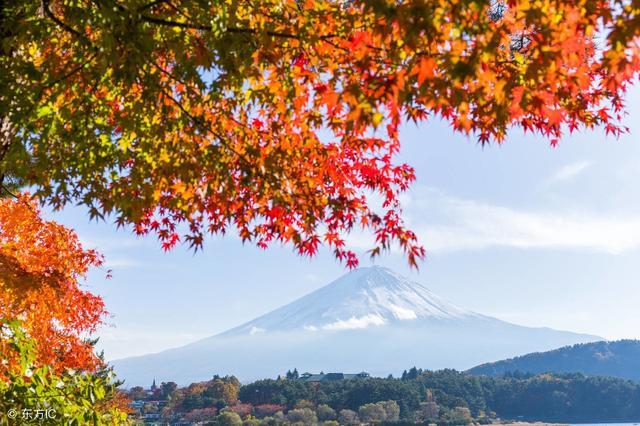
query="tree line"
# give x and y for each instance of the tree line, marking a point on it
(445, 396)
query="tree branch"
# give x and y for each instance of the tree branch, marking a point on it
(166, 23)
(169, 23)
(6, 136)
(152, 4)
(69, 73)
(59, 22)
(185, 25)
(5, 189)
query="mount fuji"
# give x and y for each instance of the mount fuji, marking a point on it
(370, 319)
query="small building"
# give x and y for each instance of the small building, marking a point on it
(153, 389)
(332, 377)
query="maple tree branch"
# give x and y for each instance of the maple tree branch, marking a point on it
(175, 24)
(152, 4)
(223, 141)
(6, 135)
(4, 188)
(180, 12)
(47, 11)
(70, 73)
(337, 46)
(185, 25)
(206, 128)
(271, 33)
(58, 80)
(198, 121)
(167, 73)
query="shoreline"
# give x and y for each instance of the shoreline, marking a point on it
(522, 423)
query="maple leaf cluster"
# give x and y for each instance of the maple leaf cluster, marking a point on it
(41, 265)
(276, 119)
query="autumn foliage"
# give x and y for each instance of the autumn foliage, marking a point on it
(68, 396)
(278, 119)
(41, 266)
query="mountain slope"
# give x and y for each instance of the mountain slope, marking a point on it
(617, 359)
(370, 319)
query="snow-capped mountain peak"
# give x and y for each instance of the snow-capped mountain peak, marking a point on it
(362, 298)
(370, 319)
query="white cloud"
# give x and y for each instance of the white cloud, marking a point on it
(403, 313)
(568, 172)
(448, 224)
(256, 330)
(355, 323)
(475, 225)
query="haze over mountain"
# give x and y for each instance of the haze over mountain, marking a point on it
(616, 359)
(370, 319)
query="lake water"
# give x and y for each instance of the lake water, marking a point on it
(607, 424)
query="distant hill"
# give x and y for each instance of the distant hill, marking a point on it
(371, 319)
(616, 359)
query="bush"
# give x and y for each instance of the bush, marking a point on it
(372, 413)
(303, 403)
(250, 421)
(302, 415)
(392, 410)
(348, 417)
(229, 418)
(325, 412)
(461, 415)
(279, 417)
(264, 410)
(271, 421)
(201, 415)
(243, 410)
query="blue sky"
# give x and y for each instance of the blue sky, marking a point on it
(531, 234)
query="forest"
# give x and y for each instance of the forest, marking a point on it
(445, 397)
(616, 359)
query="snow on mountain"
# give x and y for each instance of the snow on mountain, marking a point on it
(370, 319)
(362, 298)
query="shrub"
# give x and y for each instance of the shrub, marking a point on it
(392, 410)
(229, 418)
(201, 414)
(325, 412)
(250, 421)
(264, 410)
(348, 417)
(243, 410)
(302, 415)
(372, 413)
